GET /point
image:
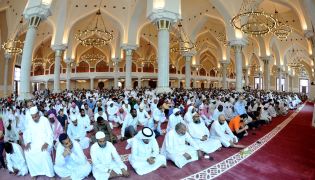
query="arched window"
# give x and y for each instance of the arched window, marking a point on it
(202, 72)
(39, 70)
(172, 69)
(212, 73)
(83, 67)
(102, 67)
(148, 68)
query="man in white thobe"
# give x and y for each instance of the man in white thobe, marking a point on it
(70, 161)
(112, 111)
(200, 134)
(106, 161)
(220, 130)
(174, 119)
(130, 124)
(85, 120)
(38, 139)
(145, 156)
(143, 115)
(77, 132)
(175, 148)
(15, 159)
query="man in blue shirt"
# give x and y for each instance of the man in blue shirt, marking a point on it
(239, 106)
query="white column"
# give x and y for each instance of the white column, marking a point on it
(116, 73)
(128, 49)
(188, 57)
(178, 83)
(91, 83)
(139, 83)
(239, 65)
(68, 74)
(266, 61)
(58, 53)
(224, 65)
(46, 84)
(195, 78)
(246, 76)
(7, 58)
(26, 64)
(280, 77)
(163, 56)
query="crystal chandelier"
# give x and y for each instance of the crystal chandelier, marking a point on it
(14, 46)
(251, 21)
(183, 43)
(93, 57)
(295, 58)
(282, 30)
(95, 34)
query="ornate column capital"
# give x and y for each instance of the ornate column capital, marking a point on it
(57, 47)
(129, 48)
(69, 60)
(224, 63)
(237, 44)
(163, 14)
(36, 8)
(189, 53)
(266, 59)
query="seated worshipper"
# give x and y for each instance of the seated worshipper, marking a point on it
(71, 163)
(74, 109)
(16, 163)
(200, 134)
(143, 115)
(77, 132)
(175, 146)
(85, 120)
(52, 110)
(122, 114)
(102, 125)
(11, 134)
(112, 111)
(188, 115)
(106, 161)
(239, 106)
(174, 119)
(229, 112)
(238, 127)
(158, 119)
(2, 163)
(55, 126)
(220, 130)
(89, 112)
(205, 112)
(63, 119)
(126, 106)
(145, 157)
(264, 115)
(130, 124)
(38, 139)
(217, 112)
(101, 113)
(271, 110)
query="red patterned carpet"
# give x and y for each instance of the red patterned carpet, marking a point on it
(289, 155)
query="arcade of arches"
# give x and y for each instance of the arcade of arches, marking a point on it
(139, 55)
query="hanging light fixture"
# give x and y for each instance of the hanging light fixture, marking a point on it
(183, 43)
(295, 58)
(282, 31)
(14, 46)
(251, 21)
(93, 57)
(95, 34)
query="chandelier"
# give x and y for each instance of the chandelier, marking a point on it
(95, 34)
(251, 21)
(295, 58)
(14, 46)
(282, 31)
(183, 43)
(143, 62)
(93, 57)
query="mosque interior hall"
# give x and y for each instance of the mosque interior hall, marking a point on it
(244, 65)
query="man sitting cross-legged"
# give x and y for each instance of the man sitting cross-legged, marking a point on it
(71, 163)
(15, 159)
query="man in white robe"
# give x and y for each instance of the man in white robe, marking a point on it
(201, 135)
(38, 139)
(220, 130)
(143, 115)
(145, 156)
(112, 111)
(77, 132)
(84, 119)
(106, 161)
(175, 148)
(174, 119)
(16, 163)
(130, 125)
(70, 161)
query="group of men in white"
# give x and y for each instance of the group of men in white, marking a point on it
(202, 130)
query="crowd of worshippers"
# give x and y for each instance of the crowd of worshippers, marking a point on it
(194, 123)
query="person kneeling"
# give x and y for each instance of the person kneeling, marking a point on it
(71, 163)
(15, 159)
(145, 156)
(106, 161)
(238, 126)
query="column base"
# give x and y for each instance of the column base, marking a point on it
(25, 96)
(161, 90)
